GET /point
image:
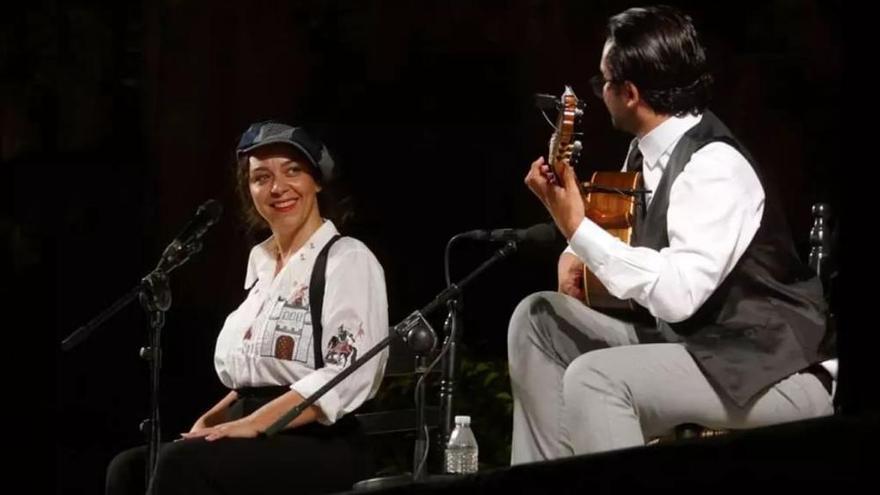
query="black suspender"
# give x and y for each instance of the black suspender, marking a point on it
(316, 298)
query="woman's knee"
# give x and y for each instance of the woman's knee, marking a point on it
(126, 472)
(180, 452)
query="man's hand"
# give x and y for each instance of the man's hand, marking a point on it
(560, 195)
(571, 276)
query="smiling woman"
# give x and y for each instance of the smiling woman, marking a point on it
(273, 351)
(283, 191)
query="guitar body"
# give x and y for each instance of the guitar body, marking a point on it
(616, 213)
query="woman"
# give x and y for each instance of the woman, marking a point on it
(286, 340)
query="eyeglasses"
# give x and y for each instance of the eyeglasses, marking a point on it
(598, 84)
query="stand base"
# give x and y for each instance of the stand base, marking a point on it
(396, 480)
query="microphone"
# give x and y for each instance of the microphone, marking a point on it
(206, 216)
(546, 102)
(542, 232)
(188, 240)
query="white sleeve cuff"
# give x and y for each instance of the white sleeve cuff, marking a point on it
(592, 244)
(329, 403)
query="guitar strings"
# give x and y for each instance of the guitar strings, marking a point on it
(548, 120)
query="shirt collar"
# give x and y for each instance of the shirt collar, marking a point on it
(261, 262)
(662, 138)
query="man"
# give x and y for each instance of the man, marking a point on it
(736, 318)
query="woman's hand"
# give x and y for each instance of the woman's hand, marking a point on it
(241, 428)
(199, 425)
(216, 415)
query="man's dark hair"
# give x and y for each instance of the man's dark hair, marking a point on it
(658, 50)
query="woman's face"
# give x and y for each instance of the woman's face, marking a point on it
(282, 189)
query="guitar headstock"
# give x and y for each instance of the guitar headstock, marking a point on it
(564, 148)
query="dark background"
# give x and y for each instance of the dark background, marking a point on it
(120, 118)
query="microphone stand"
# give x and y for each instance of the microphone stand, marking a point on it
(454, 324)
(418, 334)
(452, 327)
(154, 294)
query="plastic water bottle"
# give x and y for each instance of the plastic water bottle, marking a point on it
(462, 451)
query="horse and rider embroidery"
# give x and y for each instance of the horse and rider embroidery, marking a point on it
(341, 350)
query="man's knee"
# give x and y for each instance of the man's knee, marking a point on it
(529, 318)
(594, 372)
(528, 326)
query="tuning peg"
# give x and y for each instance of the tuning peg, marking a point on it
(572, 152)
(576, 148)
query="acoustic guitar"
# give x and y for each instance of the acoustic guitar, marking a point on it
(610, 198)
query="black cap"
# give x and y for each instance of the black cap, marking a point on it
(270, 132)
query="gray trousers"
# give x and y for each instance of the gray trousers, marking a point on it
(582, 382)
